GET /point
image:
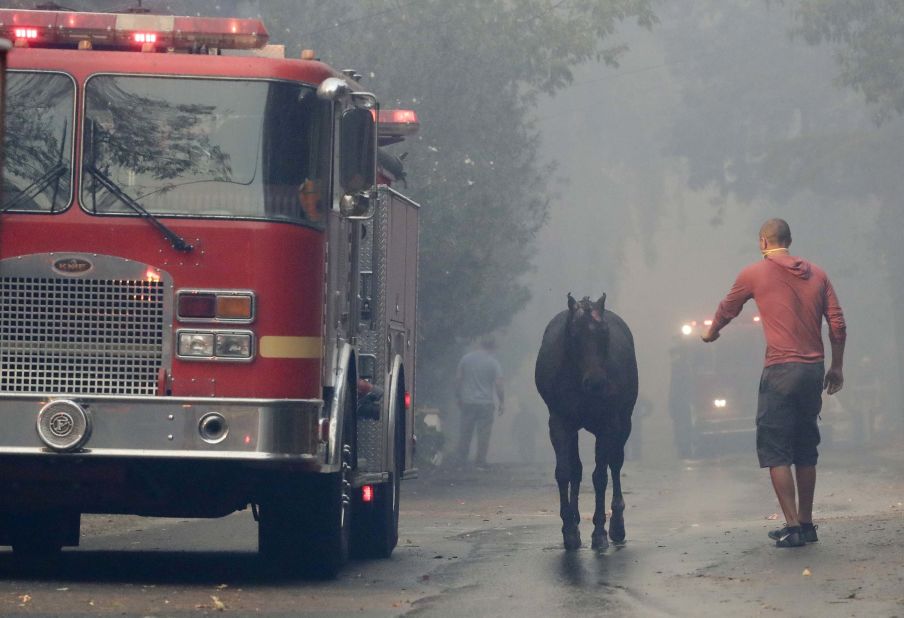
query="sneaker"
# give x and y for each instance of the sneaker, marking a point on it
(787, 537)
(808, 532)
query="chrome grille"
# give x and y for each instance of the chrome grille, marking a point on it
(80, 336)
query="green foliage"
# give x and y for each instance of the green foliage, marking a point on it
(868, 37)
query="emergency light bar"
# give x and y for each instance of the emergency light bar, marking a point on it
(129, 31)
(398, 122)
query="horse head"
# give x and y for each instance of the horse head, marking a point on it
(587, 341)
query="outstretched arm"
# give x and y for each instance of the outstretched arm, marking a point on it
(730, 307)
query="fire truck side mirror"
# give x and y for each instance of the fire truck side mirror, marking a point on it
(357, 160)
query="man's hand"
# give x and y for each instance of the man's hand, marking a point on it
(710, 336)
(834, 380)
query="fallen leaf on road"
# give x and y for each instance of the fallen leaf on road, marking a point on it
(425, 578)
(62, 589)
(25, 598)
(807, 573)
(772, 517)
(222, 586)
(217, 603)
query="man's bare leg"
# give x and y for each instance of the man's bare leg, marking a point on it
(783, 484)
(806, 487)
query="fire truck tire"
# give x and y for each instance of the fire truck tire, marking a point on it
(375, 531)
(302, 531)
(305, 526)
(41, 534)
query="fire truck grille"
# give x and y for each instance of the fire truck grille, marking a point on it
(80, 336)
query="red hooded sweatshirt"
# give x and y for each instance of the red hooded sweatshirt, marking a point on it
(792, 296)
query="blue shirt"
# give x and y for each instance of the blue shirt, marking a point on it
(479, 371)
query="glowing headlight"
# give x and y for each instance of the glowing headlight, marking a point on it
(233, 345)
(196, 344)
(686, 329)
(719, 403)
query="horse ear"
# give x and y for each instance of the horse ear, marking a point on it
(601, 303)
(572, 303)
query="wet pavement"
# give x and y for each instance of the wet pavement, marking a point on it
(477, 543)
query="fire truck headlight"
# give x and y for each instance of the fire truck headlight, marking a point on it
(719, 403)
(686, 330)
(234, 345)
(196, 344)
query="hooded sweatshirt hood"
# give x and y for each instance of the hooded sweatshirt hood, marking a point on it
(799, 267)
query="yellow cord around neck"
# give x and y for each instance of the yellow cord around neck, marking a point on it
(767, 252)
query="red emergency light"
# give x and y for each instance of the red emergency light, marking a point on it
(145, 37)
(25, 33)
(367, 493)
(398, 122)
(130, 31)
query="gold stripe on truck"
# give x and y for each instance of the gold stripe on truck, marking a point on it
(272, 346)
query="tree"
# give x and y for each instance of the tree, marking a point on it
(868, 41)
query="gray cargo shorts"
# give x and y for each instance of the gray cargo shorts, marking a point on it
(789, 403)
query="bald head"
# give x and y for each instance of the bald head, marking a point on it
(776, 232)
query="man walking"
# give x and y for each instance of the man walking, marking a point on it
(792, 296)
(477, 380)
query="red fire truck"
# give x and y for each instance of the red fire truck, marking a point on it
(201, 263)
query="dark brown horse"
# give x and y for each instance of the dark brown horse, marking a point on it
(587, 375)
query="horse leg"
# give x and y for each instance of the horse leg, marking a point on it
(600, 480)
(563, 442)
(617, 522)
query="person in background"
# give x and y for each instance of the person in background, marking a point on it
(792, 295)
(478, 386)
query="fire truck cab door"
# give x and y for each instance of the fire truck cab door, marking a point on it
(342, 249)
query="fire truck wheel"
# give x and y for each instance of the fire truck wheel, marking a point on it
(302, 531)
(41, 534)
(375, 529)
(305, 525)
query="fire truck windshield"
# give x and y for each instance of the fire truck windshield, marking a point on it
(38, 144)
(205, 148)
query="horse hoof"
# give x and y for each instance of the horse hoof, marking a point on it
(617, 533)
(572, 540)
(599, 541)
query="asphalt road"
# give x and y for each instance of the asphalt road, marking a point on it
(488, 543)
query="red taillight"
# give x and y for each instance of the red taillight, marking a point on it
(367, 493)
(145, 37)
(197, 305)
(407, 401)
(29, 34)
